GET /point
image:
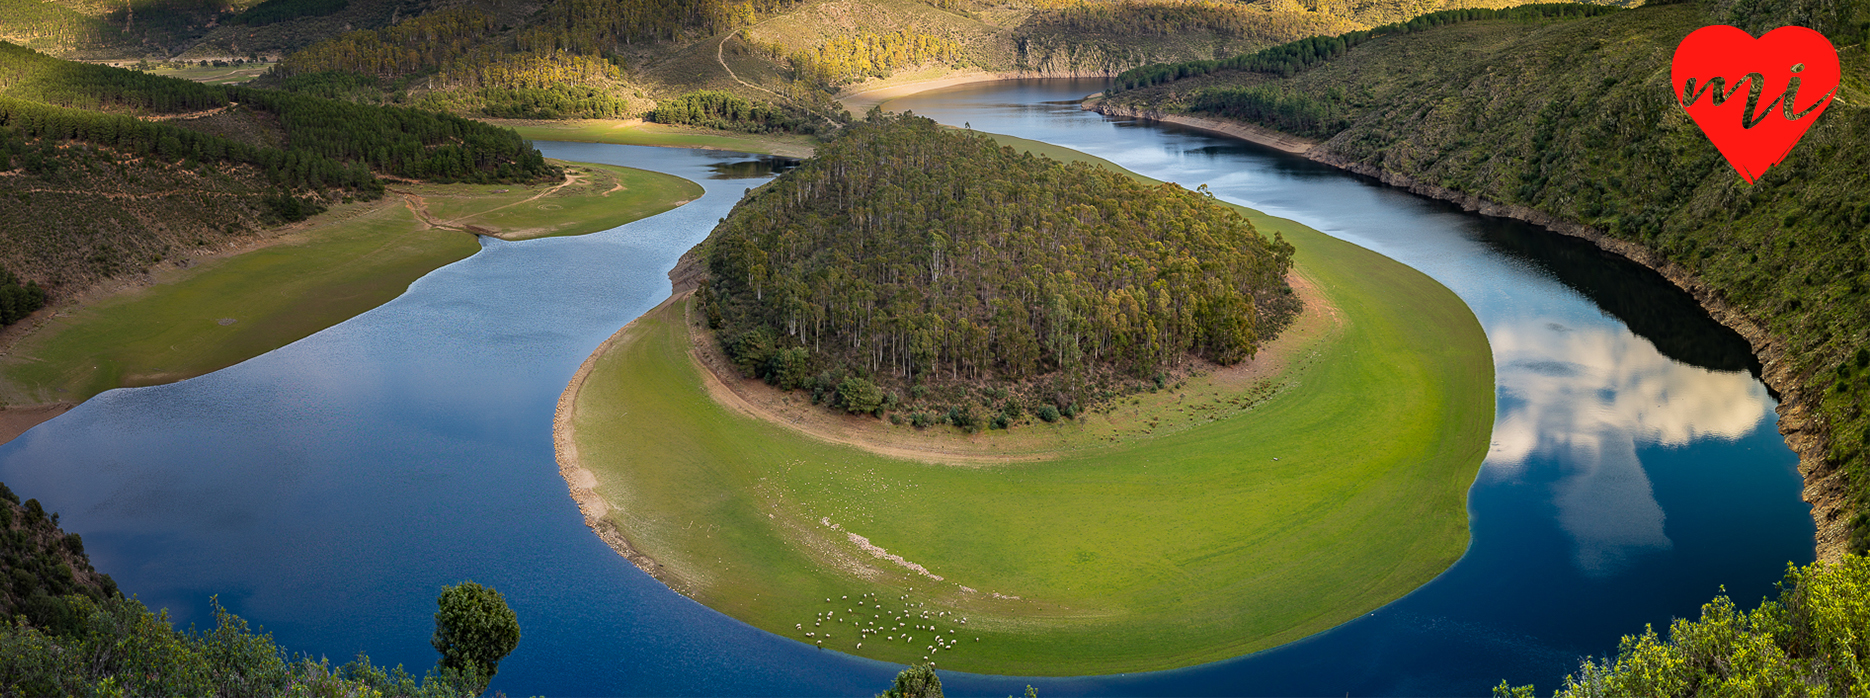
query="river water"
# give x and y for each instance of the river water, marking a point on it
(327, 490)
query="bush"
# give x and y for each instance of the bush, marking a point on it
(1048, 413)
(1813, 640)
(860, 396)
(474, 629)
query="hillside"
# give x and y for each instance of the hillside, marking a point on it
(964, 265)
(110, 171)
(1570, 124)
(615, 59)
(43, 564)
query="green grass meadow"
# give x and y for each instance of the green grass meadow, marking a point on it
(347, 261)
(1167, 551)
(609, 196)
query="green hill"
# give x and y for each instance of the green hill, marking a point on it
(964, 264)
(1571, 124)
(109, 171)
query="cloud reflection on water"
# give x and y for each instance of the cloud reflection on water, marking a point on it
(1585, 399)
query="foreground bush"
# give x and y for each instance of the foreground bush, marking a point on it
(1814, 640)
(119, 647)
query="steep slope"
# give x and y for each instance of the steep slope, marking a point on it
(1570, 124)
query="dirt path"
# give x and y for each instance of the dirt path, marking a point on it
(719, 46)
(420, 207)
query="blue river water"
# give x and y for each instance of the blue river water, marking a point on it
(327, 490)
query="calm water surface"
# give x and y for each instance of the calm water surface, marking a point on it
(328, 489)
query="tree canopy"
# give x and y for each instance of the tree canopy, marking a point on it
(474, 629)
(906, 254)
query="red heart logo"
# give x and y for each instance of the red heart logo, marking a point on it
(1755, 98)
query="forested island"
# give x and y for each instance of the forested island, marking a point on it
(1477, 107)
(910, 265)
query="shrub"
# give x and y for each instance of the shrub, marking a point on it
(860, 396)
(1048, 413)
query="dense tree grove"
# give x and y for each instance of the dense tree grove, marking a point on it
(331, 143)
(724, 110)
(1814, 640)
(1166, 18)
(51, 26)
(49, 125)
(468, 64)
(17, 300)
(1286, 59)
(905, 253)
(31, 75)
(867, 55)
(1292, 112)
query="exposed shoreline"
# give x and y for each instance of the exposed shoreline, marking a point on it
(857, 103)
(581, 482)
(756, 399)
(1824, 488)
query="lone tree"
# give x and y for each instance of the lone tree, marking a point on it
(917, 681)
(474, 629)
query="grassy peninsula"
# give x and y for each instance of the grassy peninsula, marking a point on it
(221, 309)
(178, 228)
(1338, 491)
(1571, 124)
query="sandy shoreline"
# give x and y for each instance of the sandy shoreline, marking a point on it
(17, 420)
(581, 482)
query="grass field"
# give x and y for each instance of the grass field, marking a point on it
(339, 264)
(600, 197)
(1343, 491)
(640, 133)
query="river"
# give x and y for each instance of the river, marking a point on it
(327, 490)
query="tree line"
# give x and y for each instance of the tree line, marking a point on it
(1292, 112)
(842, 61)
(907, 254)
(17, 300)
(330, 142)
(727, 111)
(1167, 18)
(1285, 59)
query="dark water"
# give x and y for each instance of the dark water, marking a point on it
(328, 489)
